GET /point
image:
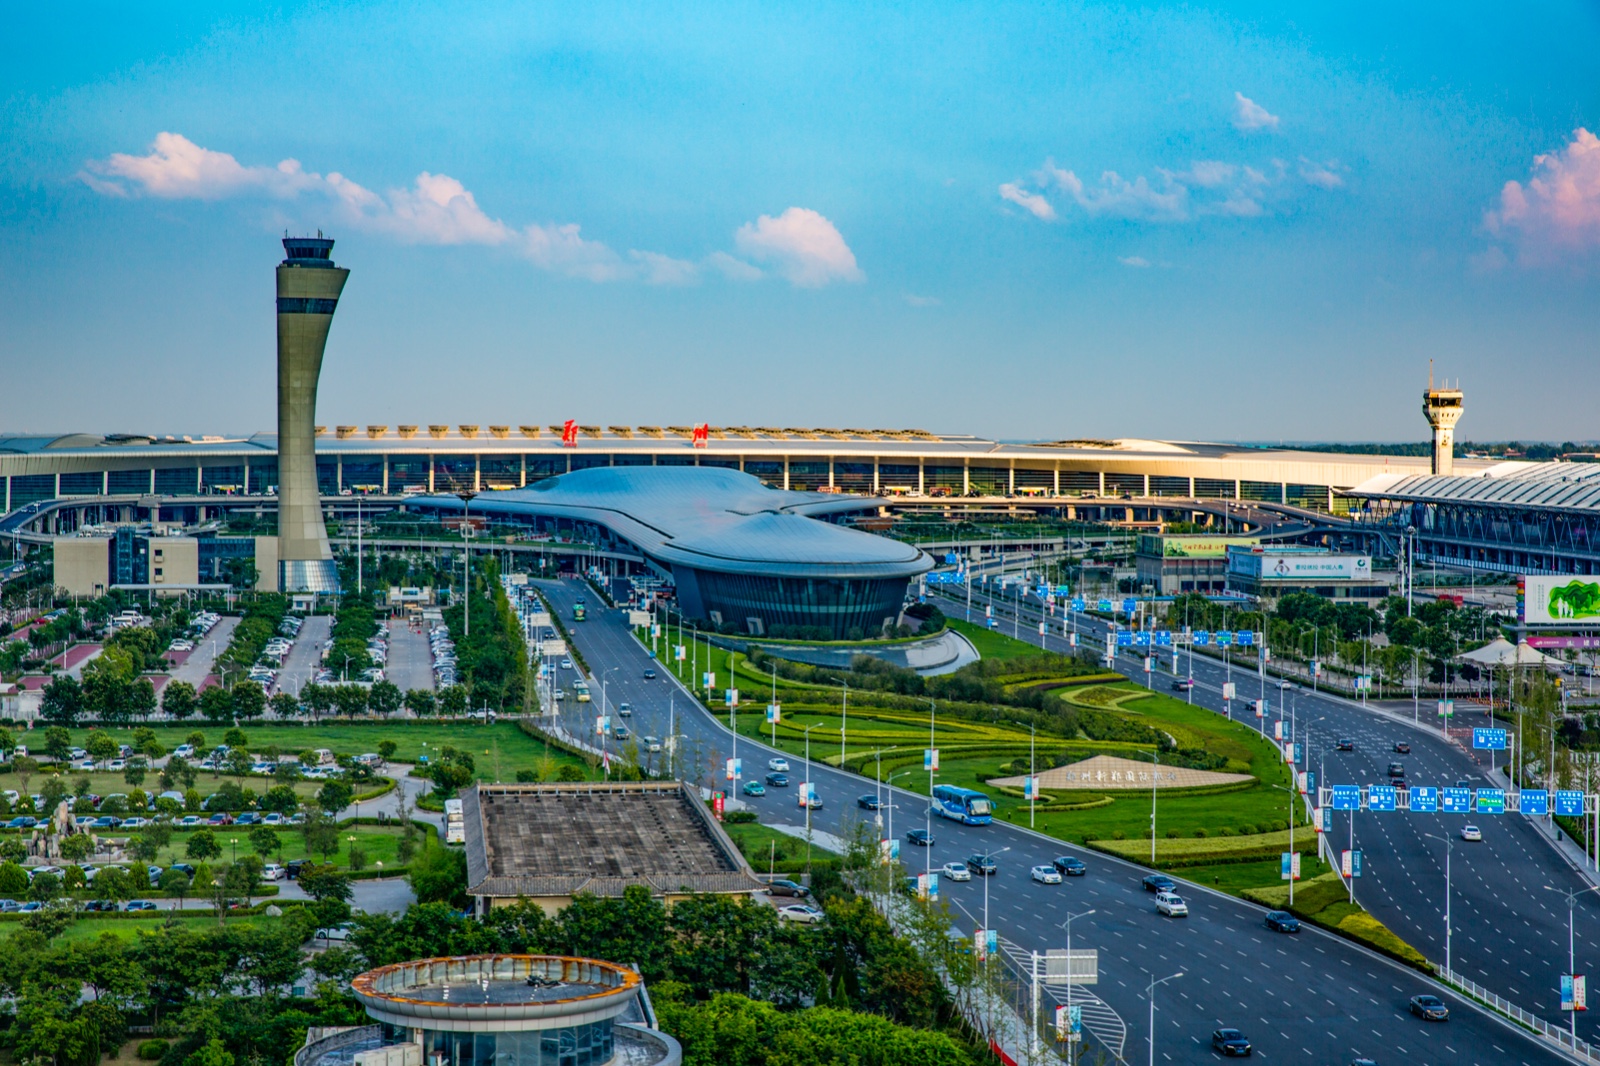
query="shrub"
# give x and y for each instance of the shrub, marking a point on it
(152, 1050)
(1226, 831)
(739, 817)
(1119, 835)
(1173, 834)
(1200, 832)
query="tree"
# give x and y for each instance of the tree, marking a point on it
(420, 702)
(325, 882)
(53, 791)
(196, 740)
(385, 698)
(280, 798)
(239, 762)
(141, 699)
(321, 835)
(317, 698)
(99, 745)
(334, 796)
(76, 847)
(351, 700)
(113, 883)
(45, 887)
(216, 704)
(178, 700)
(453, 701)
(13, 879)
(57, 743)
(453, 769)
(285, 706)
(386, 749)
(202, 845)
(62, 701)
(174, 883)
(236, 737)
(263, 841)
(249, 700)
(439, 875)
(133, 774)
(244, 877)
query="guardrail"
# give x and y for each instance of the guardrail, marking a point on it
(1562, 1038)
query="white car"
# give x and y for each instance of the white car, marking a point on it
(955, 871)
(1472, 833)
(566, 664)
(801, 912)
(1045, 875)
(779, 765)
(1172, 905)
(272, 872)
(336, 932)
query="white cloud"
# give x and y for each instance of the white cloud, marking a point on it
(1033, 203)
(1138, 262)
(1322, 175)
(664, 269)
(438, 209)
(732, 268)
(1165, 200)
(1556, 214)
(801, 245)
(922, 301)
(1249, 116)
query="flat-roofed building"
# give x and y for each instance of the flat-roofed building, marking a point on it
(1188, 562)
(548, 843)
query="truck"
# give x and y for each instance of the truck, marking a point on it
(455, 824)
(581, 691)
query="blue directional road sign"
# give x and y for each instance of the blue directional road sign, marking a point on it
(1129, 606)
(1104, 605)
(1491, 739)
(1124, 638)
(1078, 604)
(1202, 637)
(1346, 797)
(1244, 637)
(951, 558)
(1162, 637)
(1491, 801)
(1224, 639)
(1569, 803)
(1381, 798)
(1456, 800)
(1535, 801)
(1424, 799)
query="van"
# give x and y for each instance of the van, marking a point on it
(323, 756)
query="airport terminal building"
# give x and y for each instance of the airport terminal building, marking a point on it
(739, 553)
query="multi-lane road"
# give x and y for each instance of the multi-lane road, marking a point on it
(1507, 893)
(1312, 998)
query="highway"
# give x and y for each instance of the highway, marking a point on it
(1510, 931)
(1312, 998)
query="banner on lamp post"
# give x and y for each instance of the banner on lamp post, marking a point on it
(930, 759)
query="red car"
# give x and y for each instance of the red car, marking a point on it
(220, 818)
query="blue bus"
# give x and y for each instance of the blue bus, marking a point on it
(962, 805)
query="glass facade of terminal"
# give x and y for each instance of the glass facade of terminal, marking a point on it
(574, 1045)
(839, 605)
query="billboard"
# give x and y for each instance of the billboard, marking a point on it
(1299, 566)
(1559, 600)
(1196, 546)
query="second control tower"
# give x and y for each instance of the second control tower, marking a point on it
(308, 291)
(1442, 407)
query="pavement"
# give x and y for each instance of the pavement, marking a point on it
(197, 666)
(300, 666)
(1508, 930)
(410, 664)
(1313, 998)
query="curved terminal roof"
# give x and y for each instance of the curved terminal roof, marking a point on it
(1542, 486)
(710, 518)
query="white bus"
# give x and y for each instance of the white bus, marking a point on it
(455, 826)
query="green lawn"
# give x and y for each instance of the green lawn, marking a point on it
(380, 843)
(88, 928)
(768, 850)
(991, 643)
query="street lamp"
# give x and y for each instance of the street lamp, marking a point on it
(235, 842)
(1150, 990)
(1067, 925)
(466, 564)
(988, 855)
(1292, 791)
(1572, 905)
(806, 789)
(1449, 847)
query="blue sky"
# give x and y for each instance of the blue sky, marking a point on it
(1018, 220)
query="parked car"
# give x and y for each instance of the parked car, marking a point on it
(801, 912)
(140, 905)
(1430, 1008)
(1282, 922)
(272, 872)
(336, 932)
(783, 887)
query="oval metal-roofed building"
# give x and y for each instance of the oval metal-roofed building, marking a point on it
(739, 553)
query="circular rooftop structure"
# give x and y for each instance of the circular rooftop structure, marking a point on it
(496, 993)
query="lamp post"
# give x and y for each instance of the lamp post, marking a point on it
(1449, 847)
(987, 855)
(1067, 925)
(1033, 781)
(1572, 906)
(805, 787)
(889, 786)
(1150, 990)
(1292, 791)
(466, 565)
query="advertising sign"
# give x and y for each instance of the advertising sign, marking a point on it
(1289, 866)
(1202, 547)
(1030, 787)
(1277, 730)
(927, 886)
(1346, 865)
(888, 851)
(1069, 1023)
(1043, 628)
(638, 618)
(1381, 798)
(1492, 739)
(1346, 797)
(1456, 800)
(1447, 708)
(1229, 690)
(985, 942)
(708, 679)
(1569, 803)
(717, 805)
(552, 648)
(1490, 801)
(1355, 863)
(1564, 643)
(1533, 801)
(1560, 599)
(1319, 819)
(1574, 992)
(930, 759)
(774, 714)
(1299, 566)
(1260, 707)
(734, 768)
(602, 724)
(1424, 799)
(731, 697)
(679, 652)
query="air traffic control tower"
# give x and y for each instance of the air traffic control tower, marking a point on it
(308, 291)
(1442, 407)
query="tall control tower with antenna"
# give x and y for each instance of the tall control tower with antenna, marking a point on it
(1442, 408)
(308, 291)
